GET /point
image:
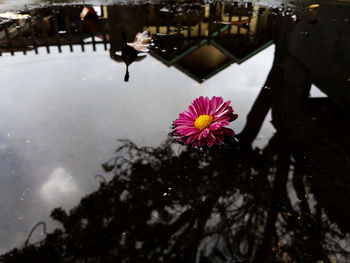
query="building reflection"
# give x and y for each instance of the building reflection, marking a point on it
(199, 40)
(199, 44)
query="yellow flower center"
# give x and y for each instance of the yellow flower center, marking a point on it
(203, 122)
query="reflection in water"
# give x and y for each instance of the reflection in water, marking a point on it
(199, 40)
(199, 45)
(228, 204)
(131, 51)
(90, 18)
(129, 55)
(286, 202)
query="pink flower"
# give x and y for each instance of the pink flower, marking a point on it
(203, 123)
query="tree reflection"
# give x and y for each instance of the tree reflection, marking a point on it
(177, 204)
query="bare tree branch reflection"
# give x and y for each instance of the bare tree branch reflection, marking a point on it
(177, 204)
(34, 228)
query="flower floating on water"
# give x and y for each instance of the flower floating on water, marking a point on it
(204, 122)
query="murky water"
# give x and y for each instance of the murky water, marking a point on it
(276, 193)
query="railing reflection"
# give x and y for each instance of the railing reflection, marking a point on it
(48, 27)
(199, 40)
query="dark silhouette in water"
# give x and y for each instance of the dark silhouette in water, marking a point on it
(90, 19)
(226, 204)
(129, 55)
(130, 51)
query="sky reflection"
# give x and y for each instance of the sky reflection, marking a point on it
(62, 114)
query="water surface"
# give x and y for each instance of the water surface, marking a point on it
(276, 195)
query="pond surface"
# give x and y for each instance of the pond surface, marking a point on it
(79, 129)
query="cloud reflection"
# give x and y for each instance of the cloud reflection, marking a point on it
(59, 187)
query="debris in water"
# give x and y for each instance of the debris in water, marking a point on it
(164, 9)
(86, 11)
(141, 41)
(304, 33)
(11, 15)
(313, 6)
(295, 18)
(234, 23)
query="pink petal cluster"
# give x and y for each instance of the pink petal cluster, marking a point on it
(221, 115)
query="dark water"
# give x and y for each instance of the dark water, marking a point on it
(279, 193)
